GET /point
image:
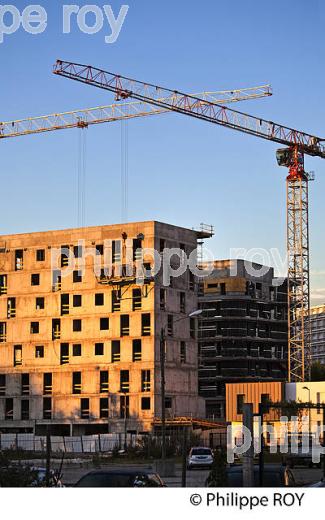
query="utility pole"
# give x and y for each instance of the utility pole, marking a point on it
(248, 456)
(261, 455)
(162, 390)
(125, 421)
(184, 456)
(48, 455)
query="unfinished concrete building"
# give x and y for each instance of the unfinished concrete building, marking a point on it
(79, 349)
(317, 325)
(242, 331)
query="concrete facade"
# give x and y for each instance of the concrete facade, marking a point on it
(317, 323)
(82, 353)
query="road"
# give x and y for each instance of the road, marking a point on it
(194, 478)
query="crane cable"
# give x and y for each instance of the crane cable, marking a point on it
(81, 181)
(124, 170)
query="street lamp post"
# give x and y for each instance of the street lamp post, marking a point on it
(309, 411)
(163, 381)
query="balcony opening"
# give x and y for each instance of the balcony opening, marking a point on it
(124, 406)
(56, 329)
(182, 302)
(84, 408)
(9, 409)
(170, 325)
(116, 351)
(56, 280)
(124, 381)
(24, 384)
(162, 299)
(136, 299)
(116, 300)
(47, 383)
(2, 384)
(47, 408)
(136, 350)
(103, 408)
(65, 305)
(64, 353)
(116, 251)
(137, 249)
(76, 382)
(103, 382)
(11, 308)
(124, 325)
(65, 256)
(18, 355)
(145, 381)
(183, 352)
(24, 410)
(145, 325)
(19, 260)
(3, 284)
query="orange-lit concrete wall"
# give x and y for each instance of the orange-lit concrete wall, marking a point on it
(252, 393)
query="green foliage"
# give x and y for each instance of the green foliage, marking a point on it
(16, 474)
(317, 371)
(218, 473)
(150, 447)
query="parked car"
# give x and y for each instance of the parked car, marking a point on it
(319, 484)
(200, 457)
(274, 475)
(301, 459)
(120, 478)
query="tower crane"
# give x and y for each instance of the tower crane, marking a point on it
(119, 111)
(297, 143)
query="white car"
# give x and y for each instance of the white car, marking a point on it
(200, 457)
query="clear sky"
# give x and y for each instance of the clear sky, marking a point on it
(181, 171)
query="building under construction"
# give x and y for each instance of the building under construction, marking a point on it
(242, 331)
(80, 349)
(317, 326)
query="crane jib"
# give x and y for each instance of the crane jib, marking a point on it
(190, 105)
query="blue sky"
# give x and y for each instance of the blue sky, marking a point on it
(181, 171)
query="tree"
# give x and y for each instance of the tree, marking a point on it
(218, 473)
(15, 474)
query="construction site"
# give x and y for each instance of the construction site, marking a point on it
(122, 350)
(250, 329)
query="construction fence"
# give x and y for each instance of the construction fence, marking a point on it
(99, 443)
